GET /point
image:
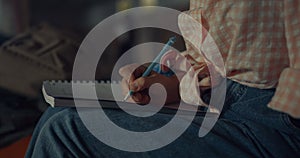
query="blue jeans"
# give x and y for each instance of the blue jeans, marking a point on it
(246, 128)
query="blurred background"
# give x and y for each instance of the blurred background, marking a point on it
(39, 40)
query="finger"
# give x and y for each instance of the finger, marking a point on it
(143, 83)
(203, 70)
(138, 72)
(169, 56)
(126, 70)
(209, 77)
(205, 82)
(141, 97)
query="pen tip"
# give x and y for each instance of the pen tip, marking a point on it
(127, 96)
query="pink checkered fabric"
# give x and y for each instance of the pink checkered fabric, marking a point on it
(259, 41)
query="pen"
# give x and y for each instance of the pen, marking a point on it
(171, 41)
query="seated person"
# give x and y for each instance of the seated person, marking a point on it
(260, 44)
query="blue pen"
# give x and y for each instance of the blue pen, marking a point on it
(171, 41)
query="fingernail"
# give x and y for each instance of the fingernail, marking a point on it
(168, 63)
(134, 86)
(165, 68)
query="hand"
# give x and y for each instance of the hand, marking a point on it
(140, 85)
(181, 64)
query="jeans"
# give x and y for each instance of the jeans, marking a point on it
(246, 128)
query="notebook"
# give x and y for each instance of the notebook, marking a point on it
(109, 95)
(59, 93)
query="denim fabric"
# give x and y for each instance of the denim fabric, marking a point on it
(246, 128)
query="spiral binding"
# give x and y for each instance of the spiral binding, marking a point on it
(82, 82)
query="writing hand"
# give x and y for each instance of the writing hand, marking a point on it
(132, 80)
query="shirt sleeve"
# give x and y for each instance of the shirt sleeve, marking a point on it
(197, 76)
(287, 96)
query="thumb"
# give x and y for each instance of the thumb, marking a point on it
(165, 61)
(126, 70)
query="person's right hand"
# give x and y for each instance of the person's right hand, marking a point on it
(132, 80)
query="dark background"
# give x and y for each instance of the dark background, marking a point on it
(19, 112)
(79, 17)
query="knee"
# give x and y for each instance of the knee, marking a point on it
(58, 135)
(60, 122)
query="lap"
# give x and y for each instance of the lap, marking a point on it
(67, 134)
(246, 128)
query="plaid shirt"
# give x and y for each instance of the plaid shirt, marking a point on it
(259, 41)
